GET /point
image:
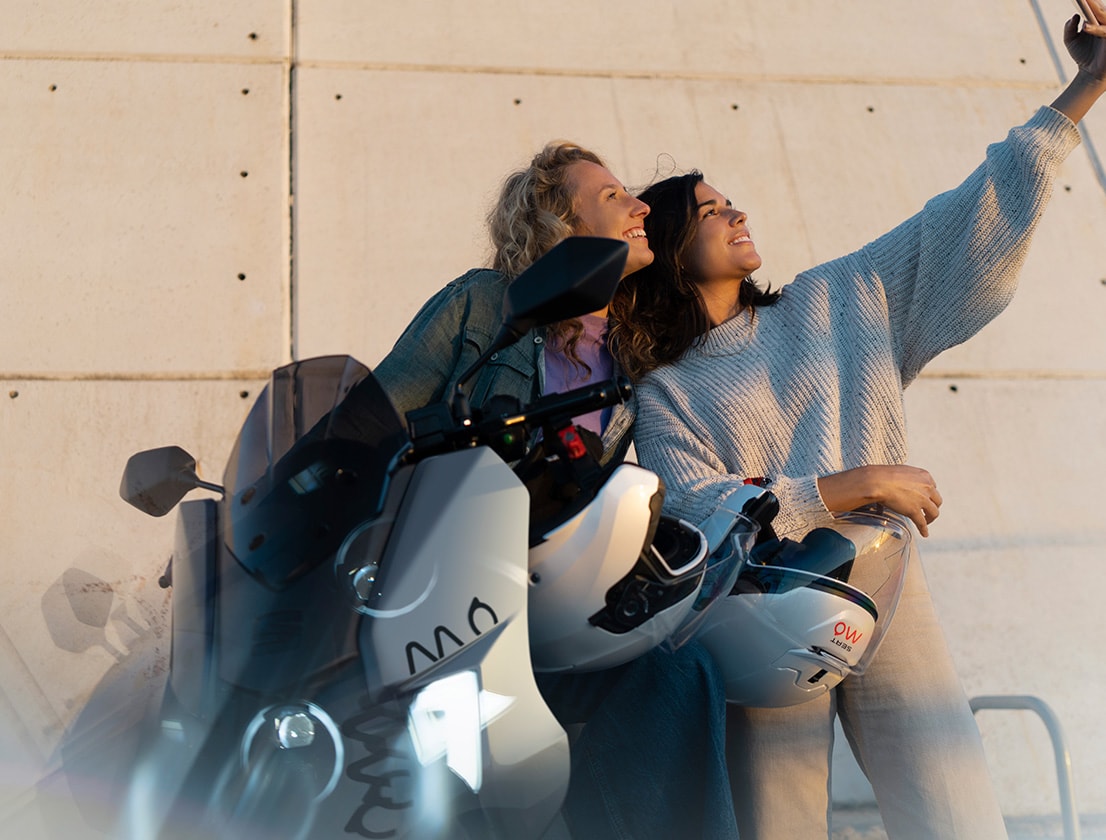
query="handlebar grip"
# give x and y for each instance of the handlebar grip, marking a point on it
(578, 401)
(500, 429)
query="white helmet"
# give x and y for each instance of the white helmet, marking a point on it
(614, 579)
(805, 614)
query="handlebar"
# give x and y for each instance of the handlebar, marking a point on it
(504, 424)
(562, 407)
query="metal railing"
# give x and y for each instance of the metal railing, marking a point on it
(1059, 748)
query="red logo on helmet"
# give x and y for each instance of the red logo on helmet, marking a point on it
(851, 634)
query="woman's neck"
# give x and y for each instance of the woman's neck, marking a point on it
(721, 299)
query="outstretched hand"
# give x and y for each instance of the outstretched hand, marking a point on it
(1086, 45)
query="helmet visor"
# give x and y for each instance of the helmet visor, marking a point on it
(856, 562)
(719, 577)
(669, 572)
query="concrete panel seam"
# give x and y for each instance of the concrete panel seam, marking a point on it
(142, 58)
(144, 376)
(290, 187)
(1009, 375)
(663, 75)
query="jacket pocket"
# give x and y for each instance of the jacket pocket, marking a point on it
(511, 372)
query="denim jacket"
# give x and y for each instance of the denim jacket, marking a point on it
(451, 331)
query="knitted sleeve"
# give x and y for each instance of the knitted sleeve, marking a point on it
(953, 267)
(669, 439)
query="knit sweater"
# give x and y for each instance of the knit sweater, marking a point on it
(813, 384)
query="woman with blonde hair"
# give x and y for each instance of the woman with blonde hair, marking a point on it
(649, 762)
(566, 190)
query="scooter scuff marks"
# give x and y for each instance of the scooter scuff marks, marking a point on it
(384, 771)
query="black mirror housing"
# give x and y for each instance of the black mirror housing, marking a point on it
(576, 276)
(156, 479)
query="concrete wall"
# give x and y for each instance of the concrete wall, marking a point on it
(196, 192)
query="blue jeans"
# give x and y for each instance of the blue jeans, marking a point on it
(651, 760)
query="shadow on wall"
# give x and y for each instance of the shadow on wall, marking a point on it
(79, 606)
(85, 613)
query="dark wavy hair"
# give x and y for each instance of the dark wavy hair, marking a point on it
(658, 312)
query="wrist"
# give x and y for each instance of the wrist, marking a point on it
(1087, 81)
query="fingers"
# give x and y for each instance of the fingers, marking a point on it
(923, 516)
(1090, 11)
(1093, 17)
(907, 490)
(931, 505)
(914, 494)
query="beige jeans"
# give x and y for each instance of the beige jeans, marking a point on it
(910, 727)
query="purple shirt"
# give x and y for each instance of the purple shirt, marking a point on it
(561, 374)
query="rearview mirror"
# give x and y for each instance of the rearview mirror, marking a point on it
(156, 479)
(577, 276)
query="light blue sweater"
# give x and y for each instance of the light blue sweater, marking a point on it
(814, 384)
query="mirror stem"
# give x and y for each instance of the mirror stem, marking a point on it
(206, 485)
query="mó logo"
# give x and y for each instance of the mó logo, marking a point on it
(476, 608)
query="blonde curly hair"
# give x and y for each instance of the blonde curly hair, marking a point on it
(535, 208)
(533, 213)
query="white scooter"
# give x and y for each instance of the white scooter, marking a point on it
(350, 652)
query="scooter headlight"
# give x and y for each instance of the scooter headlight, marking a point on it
(294, 729)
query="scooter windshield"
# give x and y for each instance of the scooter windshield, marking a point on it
(312, 461)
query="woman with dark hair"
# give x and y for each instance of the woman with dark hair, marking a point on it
(658, 316)
(804, 387)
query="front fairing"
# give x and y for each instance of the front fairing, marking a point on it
(310, 464)
(407, 578)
